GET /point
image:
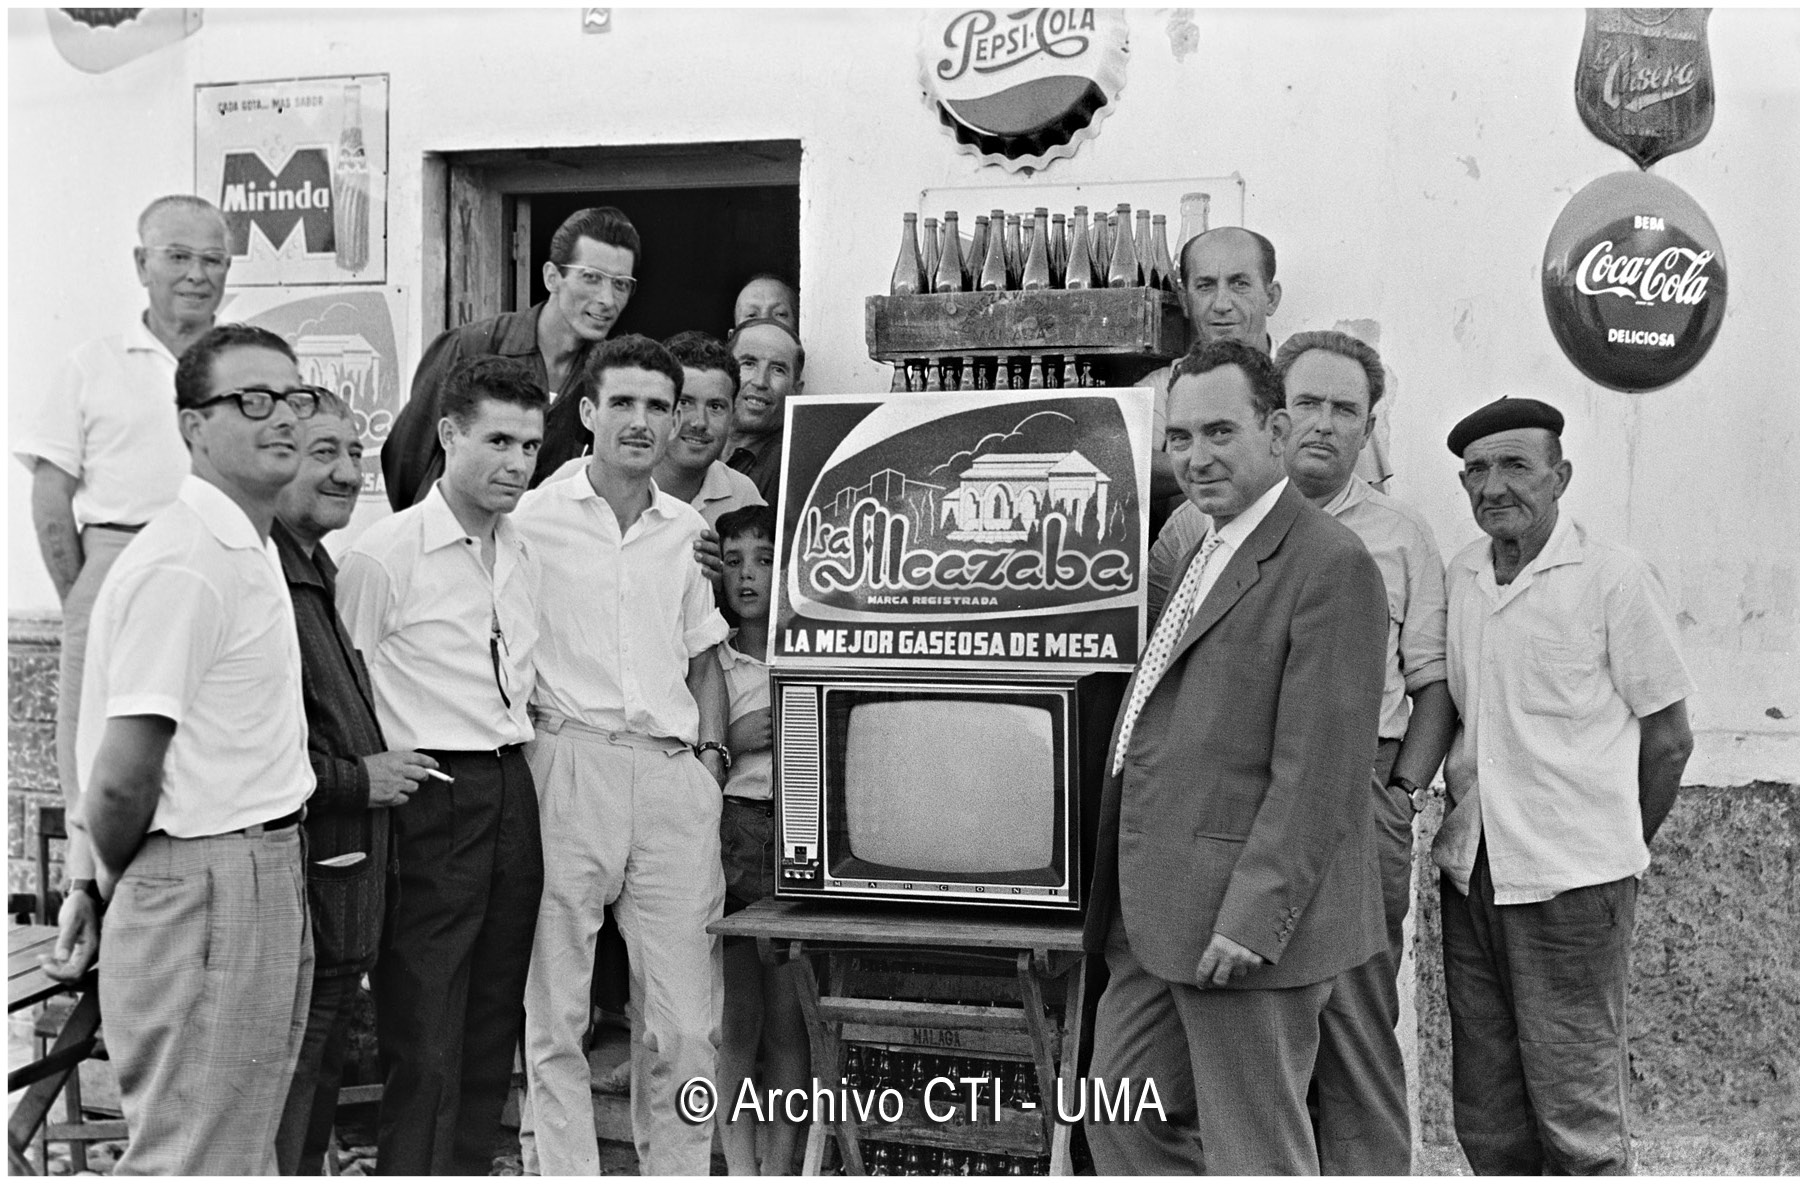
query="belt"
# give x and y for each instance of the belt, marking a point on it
(498, 751)
(126, 528)
(762, 805)
(253, 831)
(554, 723)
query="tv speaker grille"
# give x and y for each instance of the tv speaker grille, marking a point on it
(800, 768)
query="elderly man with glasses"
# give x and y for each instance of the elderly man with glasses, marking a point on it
(192, 747)
(440, 598)
(589, 280)
(105, 456)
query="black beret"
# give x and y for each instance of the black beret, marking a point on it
(1503, 415)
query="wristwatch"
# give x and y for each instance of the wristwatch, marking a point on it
(88, 886)
(701, 746)
(1420, 797)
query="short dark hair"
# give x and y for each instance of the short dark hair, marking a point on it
(605, 224)
(758, 521)
(1266, 394)
(632, 351)
(488, 376)
(194, 371)
(750, 323)
(698, 350)
(1263, 246)
(1342, 344)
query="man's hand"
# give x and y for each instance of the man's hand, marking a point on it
(1224, 961)
(396, 774)
(752, 732)
(708, 550)
(78, 939)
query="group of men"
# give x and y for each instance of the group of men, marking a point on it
(500, 714)
(1311, 665)
(445, 708)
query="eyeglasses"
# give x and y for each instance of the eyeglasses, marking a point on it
(256, 403)
(588, 279)
(183, 258)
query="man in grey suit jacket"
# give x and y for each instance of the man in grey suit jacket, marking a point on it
(1236, 870)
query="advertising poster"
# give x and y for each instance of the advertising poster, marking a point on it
(964, 529)
(301, 169)
(348, 341)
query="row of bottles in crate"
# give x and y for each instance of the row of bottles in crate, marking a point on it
(886, 1159)
(1027, 252)
(992, 373)
(877, 1068)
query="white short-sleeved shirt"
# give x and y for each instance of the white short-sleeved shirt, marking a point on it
(109, 420)
(621, 614)
(1551, 674)
(194, 624)
(749, 690)
(723, 489)
(419, 605)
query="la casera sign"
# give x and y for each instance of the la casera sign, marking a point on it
(1635, 282)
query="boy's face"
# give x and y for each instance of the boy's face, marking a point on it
(747, 575)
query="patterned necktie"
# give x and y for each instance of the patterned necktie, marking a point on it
(1173, 623)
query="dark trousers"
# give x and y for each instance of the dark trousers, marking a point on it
(1231, 1066)
(1362, 1124)
(1538, 1026)
(452, 972)
(307, 1120)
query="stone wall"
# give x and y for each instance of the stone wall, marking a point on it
(31, 681)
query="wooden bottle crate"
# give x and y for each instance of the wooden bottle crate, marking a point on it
(1146, 325)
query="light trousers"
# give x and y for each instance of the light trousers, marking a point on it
(632, 821)
(206, 965)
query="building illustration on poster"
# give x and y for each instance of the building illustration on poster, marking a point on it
(965, 526)
(300, 169)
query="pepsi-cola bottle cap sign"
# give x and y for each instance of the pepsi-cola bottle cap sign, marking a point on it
(1634, 281)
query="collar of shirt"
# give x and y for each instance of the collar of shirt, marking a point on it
(138, 336)
(577, 487)
(521, 336)
(1243, 526)
(731, 656)
(1354, 491)
(1563, 547)
(299, 567)
(221, 515)
(716, 484)
(441, 528)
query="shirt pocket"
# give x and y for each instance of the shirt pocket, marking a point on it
(1558, 678)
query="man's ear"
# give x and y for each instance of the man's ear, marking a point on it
(447, 430)
(1280, 427)
(550, 275)
(587, 414)
(1274, 296)
(1563, 476)
(188, 422)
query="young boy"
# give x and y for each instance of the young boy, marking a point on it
(760, 1012)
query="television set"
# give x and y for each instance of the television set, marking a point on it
(958, 789)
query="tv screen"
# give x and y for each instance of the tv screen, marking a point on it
(950, 786)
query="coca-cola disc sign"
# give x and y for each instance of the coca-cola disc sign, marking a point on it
(1634, 281)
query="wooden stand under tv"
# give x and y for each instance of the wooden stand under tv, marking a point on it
(1042, 958)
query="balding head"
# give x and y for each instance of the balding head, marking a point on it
(1227, 279)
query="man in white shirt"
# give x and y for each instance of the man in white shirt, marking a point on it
(193, 748)
(630, 712)
(1567, 669)
(106, 455)
(440, 600)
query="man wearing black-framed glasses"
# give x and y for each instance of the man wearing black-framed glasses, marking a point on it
(589, 280)
(105, 455)
(192, 748)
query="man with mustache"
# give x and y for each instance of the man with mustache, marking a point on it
(771, 360)
(440, 599)
(350, 856)
(105, 455)
(193, 754)
(692, 470)
(1566, 664)
(589, 281)
(630, 716)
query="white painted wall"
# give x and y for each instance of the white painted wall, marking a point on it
(1409, 166)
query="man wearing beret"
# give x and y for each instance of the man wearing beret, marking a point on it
(1567, 670)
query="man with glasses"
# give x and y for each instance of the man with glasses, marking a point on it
(440, 600)
(192, 747)
(105, 456)
(589, 280)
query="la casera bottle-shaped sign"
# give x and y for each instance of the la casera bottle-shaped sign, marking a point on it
(1635, 282)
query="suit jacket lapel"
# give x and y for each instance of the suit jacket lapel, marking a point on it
(1242, 572)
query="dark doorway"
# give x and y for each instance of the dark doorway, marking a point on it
(698, 246)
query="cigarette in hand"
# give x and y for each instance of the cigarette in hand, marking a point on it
(446, 778)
